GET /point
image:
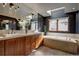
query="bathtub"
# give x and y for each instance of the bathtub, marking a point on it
(61, 38)
(66, 44)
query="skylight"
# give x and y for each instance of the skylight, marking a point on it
(57, 9)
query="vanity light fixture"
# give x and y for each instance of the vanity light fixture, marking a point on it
(30, 16)
(16, 8)
(4, 4)
(11, 5)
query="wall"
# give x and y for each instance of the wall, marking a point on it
(78, 6)
(58, 13)
(72, 19)
(77, 22)
(40, 23)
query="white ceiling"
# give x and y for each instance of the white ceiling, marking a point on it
(42, 8)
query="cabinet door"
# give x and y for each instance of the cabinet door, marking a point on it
(20, 46)
(10, 47)
(33, 42)
(39, 39)
(15, 46)
(28, 45)
(1, 48)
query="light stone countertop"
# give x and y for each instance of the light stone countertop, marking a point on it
(10, 36)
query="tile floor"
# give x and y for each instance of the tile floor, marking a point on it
(45, 51)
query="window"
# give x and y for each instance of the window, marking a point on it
(59, 24)
(53, 25)
(63, 24)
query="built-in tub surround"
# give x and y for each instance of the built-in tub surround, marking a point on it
(62, 41)
(67, 35)
(60, 38)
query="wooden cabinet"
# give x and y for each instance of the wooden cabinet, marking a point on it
(33, 42)
(10, 46)
(15, 46)
(20, 45)
(36, 41)
(1, 48)
(27, 45)
(39, 39)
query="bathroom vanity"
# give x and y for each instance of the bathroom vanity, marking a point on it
(19, 44)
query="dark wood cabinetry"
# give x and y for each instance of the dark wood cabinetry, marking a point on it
(39, 39)
(28, 45)
(1, 48)
(10, 46)
(19, 46)
(33, 42)
(15, 46)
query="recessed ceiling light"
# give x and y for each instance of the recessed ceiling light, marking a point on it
(11, 5)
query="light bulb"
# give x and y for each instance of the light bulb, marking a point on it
(4, 4)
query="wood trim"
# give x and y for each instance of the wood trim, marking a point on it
(1, 48)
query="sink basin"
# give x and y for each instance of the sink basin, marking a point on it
(2, 36)
(10, 35)
(13, 35)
